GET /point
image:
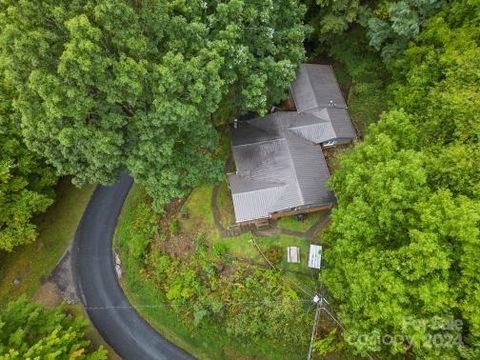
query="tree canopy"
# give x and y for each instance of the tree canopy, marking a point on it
(29, 331)
(405, 238)
(390, 24)
(26, 183)
(105, 85)
(404, 248)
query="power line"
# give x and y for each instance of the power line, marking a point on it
(314, 328)
(318, 299)
(169, 305)
(322, 307)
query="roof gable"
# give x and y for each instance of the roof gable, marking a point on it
(316, 92)
(316, 87)
(283, 172)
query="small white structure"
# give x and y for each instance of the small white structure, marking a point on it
(315, 256)
(118, 270)
(118, 265)
(293, 254)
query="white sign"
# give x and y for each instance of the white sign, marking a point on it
(315, 256)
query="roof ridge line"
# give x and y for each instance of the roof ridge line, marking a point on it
(335, 106)
(249, 178)
(297, 182)
(259, 142)
(304, 126)
(311, 87)
(267, 188)
(321, 107)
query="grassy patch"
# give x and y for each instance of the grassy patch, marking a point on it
(32, 263)
(225, 205)
(291, 223)
(200, 217)
(210, 340)
(141, 291)
(284, 241)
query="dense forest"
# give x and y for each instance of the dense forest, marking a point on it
(92, 88)
(405, 238)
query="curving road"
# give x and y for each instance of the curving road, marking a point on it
(106, 304)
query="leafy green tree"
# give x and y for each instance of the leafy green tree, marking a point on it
(391, 25)
(29, 331)
(335, 16)
(26, 183)
(108, 84)
(403, 251)
(436, 79)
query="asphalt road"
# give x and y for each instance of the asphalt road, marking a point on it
(96, 281)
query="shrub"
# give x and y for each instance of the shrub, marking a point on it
(175, 227)
(331, 343)
(219, 249)
(199, 314)
(200, 240)
(274, 254)
(138, 244)
(143, 228)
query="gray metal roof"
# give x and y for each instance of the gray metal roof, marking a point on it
(277, 167)
(314, 126)
(316, 91)
(316, 87)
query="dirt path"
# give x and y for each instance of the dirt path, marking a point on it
(59, 286)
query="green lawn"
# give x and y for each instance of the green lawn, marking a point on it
(225, 205)
(141, 291)
(32, 263)
(210, 342)
(289, 222)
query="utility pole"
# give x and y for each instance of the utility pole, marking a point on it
(318, 300)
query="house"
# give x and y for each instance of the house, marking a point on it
(280, 166)
(316, 92)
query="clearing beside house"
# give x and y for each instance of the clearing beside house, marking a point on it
(213, 293)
